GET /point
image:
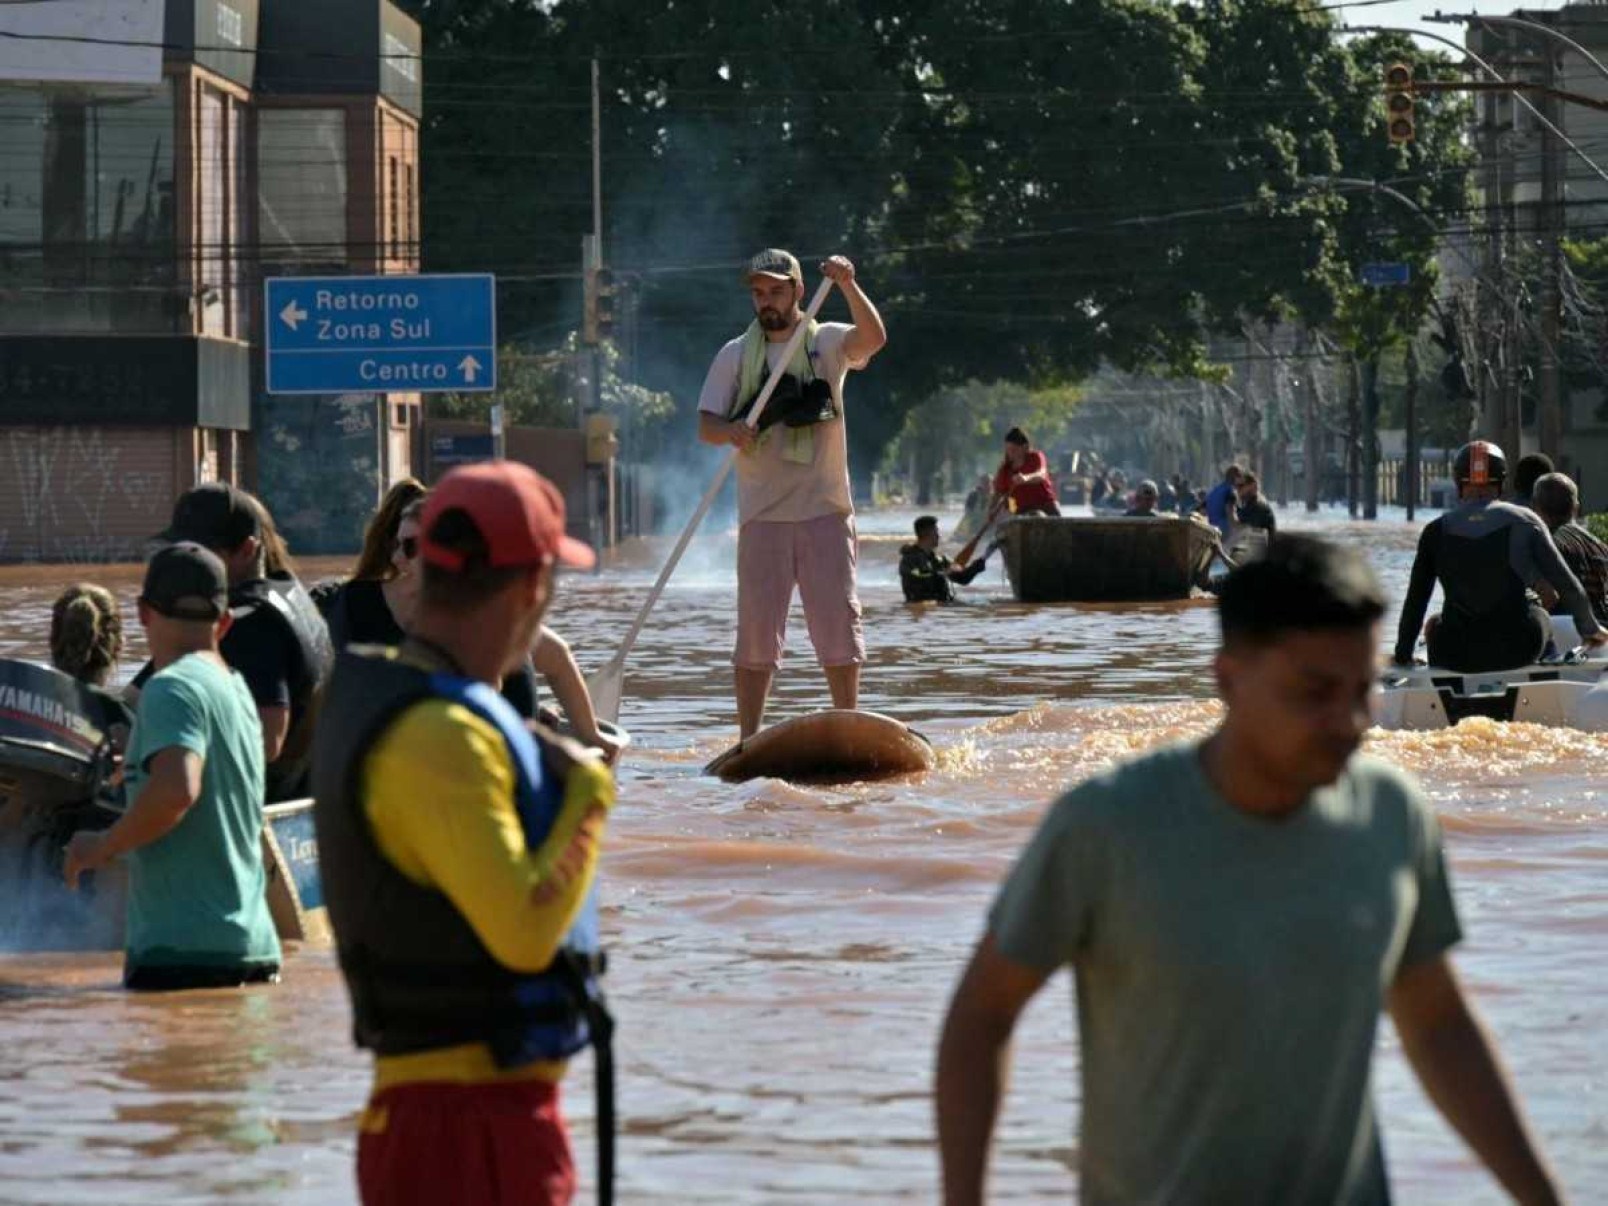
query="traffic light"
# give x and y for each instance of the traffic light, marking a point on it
(604, 289)
(1399, 125)
(598, 320)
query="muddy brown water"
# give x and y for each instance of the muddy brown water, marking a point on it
(782, 955)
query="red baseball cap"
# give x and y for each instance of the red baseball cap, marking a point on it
(518, 511)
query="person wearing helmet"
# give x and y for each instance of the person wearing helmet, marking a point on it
(1487, 555)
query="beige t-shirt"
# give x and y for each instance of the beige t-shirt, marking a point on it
(769, 487)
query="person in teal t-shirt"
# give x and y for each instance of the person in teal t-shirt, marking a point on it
(1237, 912)
(197, 907)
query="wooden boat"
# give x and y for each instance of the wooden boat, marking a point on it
(1106, 560)
(832, 746)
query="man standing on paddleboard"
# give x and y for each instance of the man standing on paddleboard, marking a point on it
(793, 499)
(1237, 912)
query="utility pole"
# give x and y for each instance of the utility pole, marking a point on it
(597, 224)
(1353, 422)
(1549, 228)
(1370, 436)
(1410, 419)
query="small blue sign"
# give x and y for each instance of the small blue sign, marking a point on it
(1386, 275)
(381, 334)
(446, 451)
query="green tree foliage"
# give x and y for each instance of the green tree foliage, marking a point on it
(549, 388)
(1030, 187)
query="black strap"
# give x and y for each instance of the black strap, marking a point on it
(601, 1024)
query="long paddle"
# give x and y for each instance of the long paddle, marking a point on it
(962, 557)
(607, 684)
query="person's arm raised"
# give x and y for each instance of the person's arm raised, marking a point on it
(869, 336)
(1457, 1063)
(974, 1066)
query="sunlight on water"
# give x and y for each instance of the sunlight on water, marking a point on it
(782, 954)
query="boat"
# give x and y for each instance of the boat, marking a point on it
(832, 746)
(56, 741)
(1069, 559)
(1567, 691)
(55, 766)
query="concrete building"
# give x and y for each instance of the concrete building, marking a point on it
(157, 159)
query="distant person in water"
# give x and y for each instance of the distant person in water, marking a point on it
(1556, 499)
(1253, 511)
(1024, 477)
(1527, 470)
(1145, 498)
(1220, 503)
(926, 574)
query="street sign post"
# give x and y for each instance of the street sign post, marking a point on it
(1386, 275)
(381, 334)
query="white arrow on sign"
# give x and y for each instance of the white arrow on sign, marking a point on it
(470, 367)
(292, 314)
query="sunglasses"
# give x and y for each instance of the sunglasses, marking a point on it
(408, 546)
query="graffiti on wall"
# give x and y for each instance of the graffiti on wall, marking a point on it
(77, 496)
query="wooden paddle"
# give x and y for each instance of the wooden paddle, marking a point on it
(608, 684)
(962, 557)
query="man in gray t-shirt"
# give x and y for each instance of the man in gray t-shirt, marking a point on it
(1236, 913)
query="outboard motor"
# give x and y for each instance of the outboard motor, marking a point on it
(58, 740)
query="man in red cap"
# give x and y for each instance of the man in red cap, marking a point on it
(793, 499)
(458, 859)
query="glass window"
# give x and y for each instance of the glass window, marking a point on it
(301, 184)
(87, 226)
(241, 276)
(211, 172)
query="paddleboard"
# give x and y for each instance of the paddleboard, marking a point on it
(830, 745)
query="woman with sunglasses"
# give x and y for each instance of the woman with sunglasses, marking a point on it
(376, 609)
(375, 606)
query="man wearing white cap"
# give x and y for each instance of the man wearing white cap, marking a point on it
(793, 498)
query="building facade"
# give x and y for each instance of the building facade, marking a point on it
(158, 158)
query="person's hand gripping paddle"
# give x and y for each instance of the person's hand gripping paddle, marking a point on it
(607, 685)
(962, 557)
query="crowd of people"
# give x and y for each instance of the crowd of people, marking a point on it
(1237, 911)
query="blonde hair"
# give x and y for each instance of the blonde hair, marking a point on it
(379, 538)
(86, 633)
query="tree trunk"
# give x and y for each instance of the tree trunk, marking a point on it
(1353, 425)
(1370, 437)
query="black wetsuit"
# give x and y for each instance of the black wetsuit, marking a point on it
(1485, 555)
(927, 577)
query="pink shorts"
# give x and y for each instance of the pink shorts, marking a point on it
(819, 555)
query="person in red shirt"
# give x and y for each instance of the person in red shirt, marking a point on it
(1025, 476)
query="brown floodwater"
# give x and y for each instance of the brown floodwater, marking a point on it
(782, 955)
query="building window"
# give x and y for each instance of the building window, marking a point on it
(410, 223)
(211, 173)
(87, 225)
(301, 187)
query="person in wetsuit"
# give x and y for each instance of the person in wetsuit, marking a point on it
(925, 573)
(1487, 555)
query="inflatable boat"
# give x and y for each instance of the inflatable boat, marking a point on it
(1570, 691)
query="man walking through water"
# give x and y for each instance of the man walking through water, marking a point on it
(794, 506)
(1236, 913)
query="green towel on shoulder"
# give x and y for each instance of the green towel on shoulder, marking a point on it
(800, 446)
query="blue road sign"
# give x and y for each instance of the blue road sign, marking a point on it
(381, 334)
(1386, 275)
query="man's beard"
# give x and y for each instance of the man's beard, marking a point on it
(772, 320)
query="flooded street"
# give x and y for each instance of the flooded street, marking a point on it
(781, 956)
